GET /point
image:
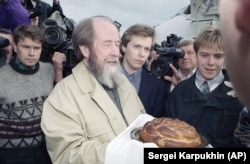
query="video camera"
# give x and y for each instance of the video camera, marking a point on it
(58, 37)
(3, 55)
(168, 54)
(54, 35)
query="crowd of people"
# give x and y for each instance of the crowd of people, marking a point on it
(46, 117)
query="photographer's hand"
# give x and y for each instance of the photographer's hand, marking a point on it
(176, 78)
(58, 59)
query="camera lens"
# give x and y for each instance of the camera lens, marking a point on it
(160, 67)
(4, 42)
(52, 36)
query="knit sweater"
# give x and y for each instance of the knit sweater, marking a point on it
(21, 100)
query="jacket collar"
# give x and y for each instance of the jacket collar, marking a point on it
(89, 85)
(197, 95)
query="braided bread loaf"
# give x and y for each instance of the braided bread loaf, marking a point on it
(170, 133)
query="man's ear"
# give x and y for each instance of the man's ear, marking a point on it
(84, 50)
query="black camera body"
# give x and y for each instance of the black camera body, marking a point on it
(168, 54)
(3, 55)
(54, 35)
(58, 38)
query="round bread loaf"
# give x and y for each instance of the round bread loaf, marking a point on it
(170, 133)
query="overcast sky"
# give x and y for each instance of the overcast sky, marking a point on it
(126, 12)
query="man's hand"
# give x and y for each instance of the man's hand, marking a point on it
(176, 78)
(58, 60)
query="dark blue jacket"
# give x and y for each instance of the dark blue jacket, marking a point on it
(46, 10)
(214, 116)
(153, 94)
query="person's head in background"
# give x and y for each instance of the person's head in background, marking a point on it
(209, 53)
(28, 40)
(97, 41)
(136, 44)
(9, 49)
(189, 62)
(235, 28)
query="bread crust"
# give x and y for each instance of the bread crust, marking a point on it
(170, 133)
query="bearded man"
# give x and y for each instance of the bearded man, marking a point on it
(93, 105)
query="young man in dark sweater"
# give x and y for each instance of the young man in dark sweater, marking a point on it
(25, 84)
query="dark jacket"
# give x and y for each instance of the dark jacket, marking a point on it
(43, 9)
(214, 116)
(46, 10)
(153, 94)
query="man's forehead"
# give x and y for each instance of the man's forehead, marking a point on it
(107, 34)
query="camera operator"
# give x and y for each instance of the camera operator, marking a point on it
(9, 48)
(13, 14)
(58, 41)
(163, 61)
(186, 65)
(165, 55)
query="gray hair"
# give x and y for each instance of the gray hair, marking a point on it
(84, 33)
(185, 42)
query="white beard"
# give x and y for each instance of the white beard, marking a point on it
(110, 77)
